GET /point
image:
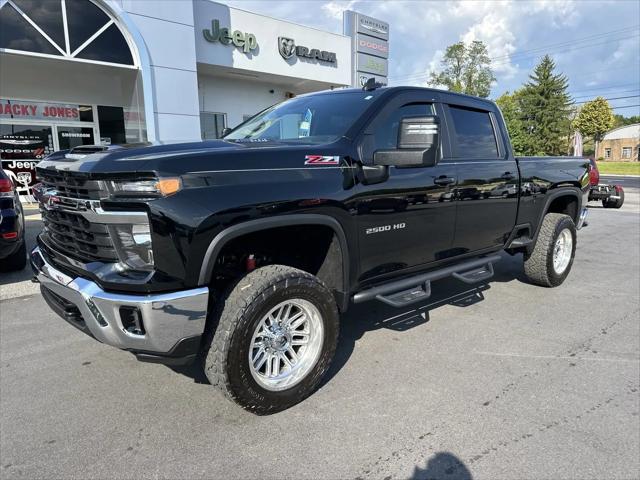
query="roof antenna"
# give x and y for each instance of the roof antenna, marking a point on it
(371, 84)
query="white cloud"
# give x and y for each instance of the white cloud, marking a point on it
(495, 32)
(335, 8)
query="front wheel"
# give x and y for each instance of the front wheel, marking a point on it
(550, 261)
(277, 331)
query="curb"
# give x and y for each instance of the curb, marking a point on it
(618, 175)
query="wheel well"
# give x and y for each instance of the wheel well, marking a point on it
(316, 249)
(567, 204)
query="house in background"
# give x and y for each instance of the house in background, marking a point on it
(620, 144)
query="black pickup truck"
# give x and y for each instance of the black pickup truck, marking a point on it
(244, 251)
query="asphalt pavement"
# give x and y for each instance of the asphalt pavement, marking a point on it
(501, 381)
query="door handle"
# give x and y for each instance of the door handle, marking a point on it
(508, 176)
(443, 180)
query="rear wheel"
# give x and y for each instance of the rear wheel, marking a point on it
(277, 331)
(17, 260)
(551, 260)
(614, 203)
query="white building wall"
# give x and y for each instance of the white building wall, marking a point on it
(168, 32)
(236, 98)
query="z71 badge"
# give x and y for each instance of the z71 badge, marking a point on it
(320, 160)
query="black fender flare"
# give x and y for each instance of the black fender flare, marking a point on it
(251, 226)
(560, 192)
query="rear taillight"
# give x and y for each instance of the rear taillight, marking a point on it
(6, 187)
(594, 176)
(10, 235)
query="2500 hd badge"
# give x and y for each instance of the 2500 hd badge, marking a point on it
(385, 228)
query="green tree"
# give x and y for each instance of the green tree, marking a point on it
(465, 69)
(594, 119)
(510, 107)
(545, 106)
(621, 120)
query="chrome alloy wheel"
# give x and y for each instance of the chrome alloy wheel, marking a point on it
(286, 344)
(562, 251)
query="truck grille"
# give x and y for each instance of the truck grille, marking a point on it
(71, 234)
(70, 186)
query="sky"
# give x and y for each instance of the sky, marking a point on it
(595, 43)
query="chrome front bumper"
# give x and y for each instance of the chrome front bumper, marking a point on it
(167, 318)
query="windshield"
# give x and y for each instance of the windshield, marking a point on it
(311, 119)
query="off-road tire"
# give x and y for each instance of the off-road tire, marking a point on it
(538, 265)
(608, 203)
(233, 321)
(16, 261)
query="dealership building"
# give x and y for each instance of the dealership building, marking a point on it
(76, 72)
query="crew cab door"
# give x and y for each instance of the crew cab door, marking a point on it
(488, 178)
(409, 218)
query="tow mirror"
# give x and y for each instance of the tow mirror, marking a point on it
(418, 144)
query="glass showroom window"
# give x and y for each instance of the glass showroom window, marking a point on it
(76, 29)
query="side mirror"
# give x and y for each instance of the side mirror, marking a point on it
(418, 144)
(225, 131)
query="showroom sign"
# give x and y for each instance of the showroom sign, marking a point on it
(246, 41)
(288, 48)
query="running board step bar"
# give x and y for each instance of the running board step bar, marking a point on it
(407, 291)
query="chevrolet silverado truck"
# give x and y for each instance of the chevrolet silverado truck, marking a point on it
(244, 252)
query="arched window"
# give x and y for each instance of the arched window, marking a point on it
(74, 29)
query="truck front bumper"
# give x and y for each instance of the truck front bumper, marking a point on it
(164, 328)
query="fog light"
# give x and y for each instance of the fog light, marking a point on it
(131, 319)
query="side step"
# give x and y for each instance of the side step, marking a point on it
(407, 291)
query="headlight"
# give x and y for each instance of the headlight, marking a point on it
(133, 245)
(146, 188)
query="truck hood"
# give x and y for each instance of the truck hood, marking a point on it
(183, 158)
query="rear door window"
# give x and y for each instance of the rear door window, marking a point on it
(473, 136)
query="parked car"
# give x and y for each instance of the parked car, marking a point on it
(504, 190)
(611, 196)
(245, 251)
(13, 248)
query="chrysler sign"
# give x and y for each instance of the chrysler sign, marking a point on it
(288, 48)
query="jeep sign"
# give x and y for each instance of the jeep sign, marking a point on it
(245, 41)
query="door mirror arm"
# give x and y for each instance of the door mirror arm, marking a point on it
(372, 174)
